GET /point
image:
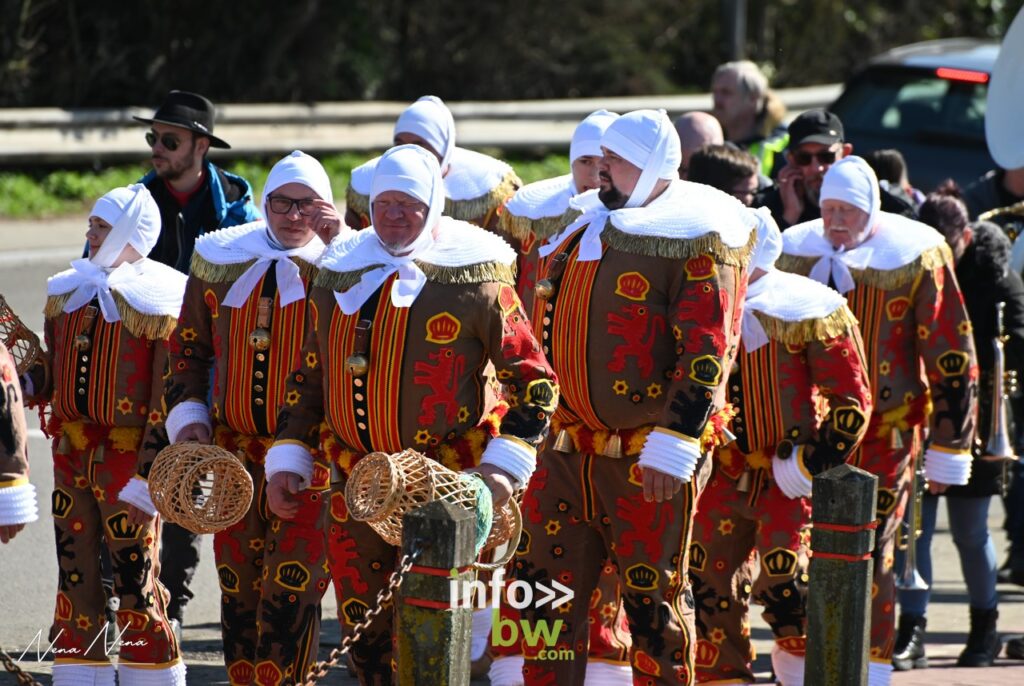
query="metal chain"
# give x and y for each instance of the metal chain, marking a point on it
(384, 598)
(11, 666)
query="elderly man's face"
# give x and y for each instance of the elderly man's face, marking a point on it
(731, 104)
(846, 226)
(585, 172)
(290, 211)
(398, 220)
(406, 138)
(618, 179)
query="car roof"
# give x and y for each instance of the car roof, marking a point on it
(976, 54)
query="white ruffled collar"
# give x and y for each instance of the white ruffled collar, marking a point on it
(148, 287)
(787, 297)
(547, 198)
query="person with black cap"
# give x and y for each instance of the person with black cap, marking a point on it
(816, 141)
(194, 195)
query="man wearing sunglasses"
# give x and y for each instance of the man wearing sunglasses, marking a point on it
(194, 195)
(816, 141)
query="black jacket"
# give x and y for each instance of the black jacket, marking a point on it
(772, 199)
(985, 279)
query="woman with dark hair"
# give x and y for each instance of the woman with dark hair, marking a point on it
(982, 254)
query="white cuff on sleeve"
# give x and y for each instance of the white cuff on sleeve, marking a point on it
(136, 492)
(18, 505)
(947, 467)
(507, 670)
(791, 476)
(512, 455)
(290, 456)
(671, 453)
(185, 413)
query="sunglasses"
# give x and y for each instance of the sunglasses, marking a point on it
(280, 204)
(169, 141)
(803, 158)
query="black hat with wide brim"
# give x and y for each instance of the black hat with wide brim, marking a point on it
(189, 111)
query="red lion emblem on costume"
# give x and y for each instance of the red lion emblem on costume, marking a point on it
(638, 328)
(443, 380)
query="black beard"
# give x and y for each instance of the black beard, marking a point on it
(612, 198)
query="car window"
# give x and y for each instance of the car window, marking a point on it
(914, 104)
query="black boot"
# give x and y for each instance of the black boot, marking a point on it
(909, 650)
(983, 642)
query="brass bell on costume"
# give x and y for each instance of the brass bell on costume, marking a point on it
(544, 289)
(259, 340)
(563, 442)
(82, 342)
(357, 364)
(613, 448)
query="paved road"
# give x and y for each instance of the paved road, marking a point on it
(29, 569)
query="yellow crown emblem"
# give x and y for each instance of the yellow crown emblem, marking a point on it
(63, 611)
(354, 610)
(443, 328)
(953, 362)
(642, 577)
(886, 501)
(321, 477)
(541, 392)
(292, 575)
(633, 286)
(228, 579)
(524, 544)
(241, 672)
(507, 299)
(706, 370)
(707, 654)
(119, 529)
(701, 267)
(849, 420)
(62, 502)
(795, 645)
(779, 562)
(135, 621)
(339, 510)
(268, 673)
(896, 308)
(698, 557)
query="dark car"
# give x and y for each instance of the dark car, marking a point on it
(927, 100)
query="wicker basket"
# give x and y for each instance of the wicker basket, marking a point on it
(22, 343)
(382, 488)
(203, 488)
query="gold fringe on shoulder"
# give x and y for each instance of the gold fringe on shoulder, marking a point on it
(55, 305)
(808, 330)
(217, 273)
(152, 326)
(474, 208)
(883, 279)
(678, 248)
(520, 227)
(356, 201)
(481, 272)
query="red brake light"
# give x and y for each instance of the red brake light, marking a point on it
(961, 75)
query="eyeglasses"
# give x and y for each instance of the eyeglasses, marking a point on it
(803, 158)
(280, 204)
(169, 141)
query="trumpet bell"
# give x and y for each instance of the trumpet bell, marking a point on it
(911, 580)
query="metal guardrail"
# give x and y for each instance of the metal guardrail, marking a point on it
(55, 136)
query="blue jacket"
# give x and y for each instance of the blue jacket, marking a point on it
(224, 200)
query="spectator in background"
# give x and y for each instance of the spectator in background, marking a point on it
(727, 169)
(982, 253)
(696, 129)
(816, 142)
(17, 496)
(891, 169)
(751, 115)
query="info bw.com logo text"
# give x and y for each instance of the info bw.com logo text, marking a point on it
(518, 595)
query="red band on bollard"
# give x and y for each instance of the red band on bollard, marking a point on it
(840, 556)
(436, 571)
(845, 528)
(430, 604)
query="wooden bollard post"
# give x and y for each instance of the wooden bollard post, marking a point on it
(433, 638)
(839, 602)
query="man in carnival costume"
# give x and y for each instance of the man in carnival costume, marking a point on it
(401, 323)
(639, 312)
(475, 185)
(108, 319)
(898, 277)
(244, 318)
(802, 403)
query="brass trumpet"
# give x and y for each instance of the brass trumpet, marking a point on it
(1004, 382)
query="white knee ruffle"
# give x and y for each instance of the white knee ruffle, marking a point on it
(152, 676)
(507, 671)
(789, 668)
(83, 675)
(879, 673)
(608, 674)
